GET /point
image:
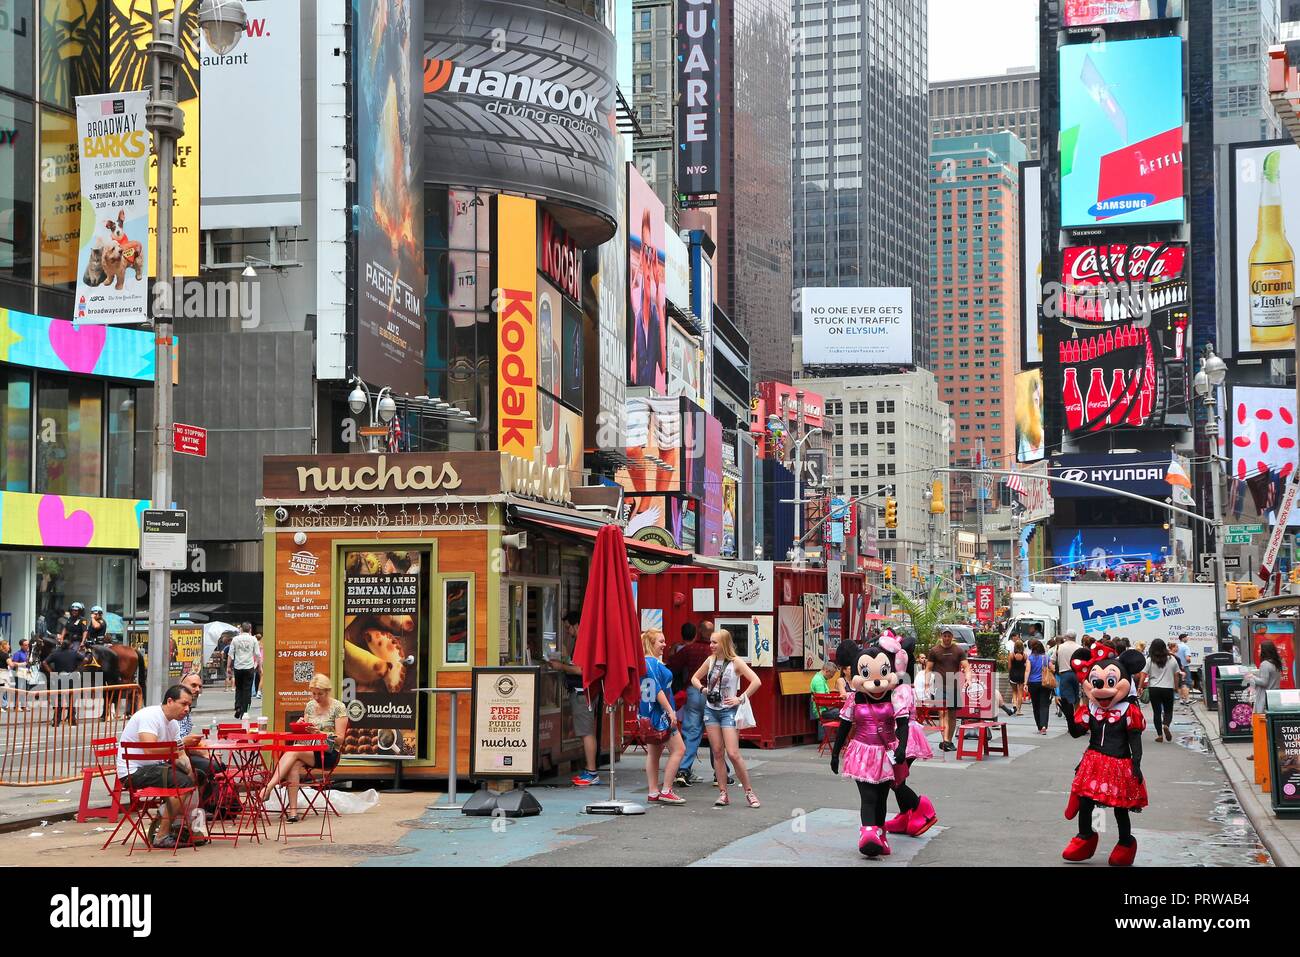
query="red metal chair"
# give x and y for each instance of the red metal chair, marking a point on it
(822, 701)
(280, 743)
(104, 751)
(145, 800)
(632, 737)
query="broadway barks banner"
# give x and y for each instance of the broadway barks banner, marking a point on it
(114, 150)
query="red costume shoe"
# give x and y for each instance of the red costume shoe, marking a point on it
(899, 823)
(924, 817)
(1123, 855)
(1080, 848)
(872, 842)
(1072, 806)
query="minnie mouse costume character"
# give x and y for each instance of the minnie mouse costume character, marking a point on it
(916, 812)
(873, 737)
(1110, 774)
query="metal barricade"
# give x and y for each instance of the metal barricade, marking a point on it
(45, 737)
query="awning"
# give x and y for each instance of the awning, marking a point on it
(580, 528)
(726, 565)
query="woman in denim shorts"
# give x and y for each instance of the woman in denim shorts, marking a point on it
(719, 680)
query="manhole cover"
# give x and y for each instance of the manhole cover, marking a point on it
(351, 850)
(454, 823)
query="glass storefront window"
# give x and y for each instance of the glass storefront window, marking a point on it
(457, 636)
(69, 435)
(60, 202)
(17, 41)
(62, 578)
(17, 187)
(121, 443)
(15, 431)
(72, 38)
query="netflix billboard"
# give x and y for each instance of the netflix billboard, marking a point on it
(1121, 139)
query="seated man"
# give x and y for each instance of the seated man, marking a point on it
(162, 723)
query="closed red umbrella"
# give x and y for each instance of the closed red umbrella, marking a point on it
(609, 646)
(609, 643)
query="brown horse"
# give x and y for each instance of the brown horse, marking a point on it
(117, 664)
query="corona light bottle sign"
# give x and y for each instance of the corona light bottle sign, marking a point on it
(1272, 267)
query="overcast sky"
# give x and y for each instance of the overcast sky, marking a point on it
(976, 38)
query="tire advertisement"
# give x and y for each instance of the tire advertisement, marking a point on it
(519, 96)
(381, 642)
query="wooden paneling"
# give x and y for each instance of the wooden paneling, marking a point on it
(468, 552)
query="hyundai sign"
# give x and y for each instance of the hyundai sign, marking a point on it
(1142, 473)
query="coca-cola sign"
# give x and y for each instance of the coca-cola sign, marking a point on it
(1120, 262)
(561, 259)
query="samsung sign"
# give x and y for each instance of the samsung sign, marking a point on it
(1142, 473)
(698, 132)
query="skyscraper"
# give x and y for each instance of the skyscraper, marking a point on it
(988, 104)
(1243, 32)
(861, 140)
(975, 288)
(751, 220)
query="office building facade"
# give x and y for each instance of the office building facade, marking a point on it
(860, 142)
(987, 104)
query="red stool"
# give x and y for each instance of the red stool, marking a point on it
(103, 749)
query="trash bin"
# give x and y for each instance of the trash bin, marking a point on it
(1284, 751)
(1209, 664)
(1236, 703)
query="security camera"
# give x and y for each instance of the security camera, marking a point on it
(281, 514)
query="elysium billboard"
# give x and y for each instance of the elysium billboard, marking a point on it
(519, 96)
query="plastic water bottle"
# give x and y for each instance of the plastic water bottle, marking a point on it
(212, 730)
(262, 723)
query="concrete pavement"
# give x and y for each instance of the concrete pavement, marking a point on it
(997, 812)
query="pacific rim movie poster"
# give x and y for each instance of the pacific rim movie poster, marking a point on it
(389, 193)
(381, 636)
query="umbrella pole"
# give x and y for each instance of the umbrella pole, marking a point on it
(610, 709)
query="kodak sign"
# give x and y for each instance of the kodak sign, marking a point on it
(516, 306)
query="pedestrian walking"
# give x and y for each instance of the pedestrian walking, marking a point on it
(1268, 677)
(1067, 682)
(5, 678)
(1161, 671)
(243, 664)
(658, 720)
(719, 681)
(1016, 665)
(686, 662)
(1040, 688)
(1179, 650)
(945, 661)
(257, 678)
(21, 662)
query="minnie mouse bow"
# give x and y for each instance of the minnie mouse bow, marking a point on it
(1100, 653)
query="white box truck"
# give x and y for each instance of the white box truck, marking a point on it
(1138, 611)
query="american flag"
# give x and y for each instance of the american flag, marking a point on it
(1016, 484)
(395, 434)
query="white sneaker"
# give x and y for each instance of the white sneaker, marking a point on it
(199, 823)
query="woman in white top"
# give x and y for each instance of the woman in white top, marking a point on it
(719, 681)
(1162, 676)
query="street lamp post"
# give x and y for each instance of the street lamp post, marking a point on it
(223, 23)
(1208, 379)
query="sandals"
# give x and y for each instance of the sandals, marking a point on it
(722, 800)
(752, 799)
(293, 819)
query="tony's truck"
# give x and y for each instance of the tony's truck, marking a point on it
(1138, 611)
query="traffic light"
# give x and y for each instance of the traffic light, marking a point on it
(936, 498)
(889, 574)
(1150, 567)
(916, 572)
(891, 513)
(1295, 576)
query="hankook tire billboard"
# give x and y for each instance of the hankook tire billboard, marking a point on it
(519, 96)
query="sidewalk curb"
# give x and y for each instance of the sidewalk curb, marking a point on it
(1282, 850)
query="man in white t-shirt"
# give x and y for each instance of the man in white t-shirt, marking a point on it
(161, 723)
(243, 662)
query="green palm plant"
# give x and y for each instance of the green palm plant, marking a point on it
(926, 615)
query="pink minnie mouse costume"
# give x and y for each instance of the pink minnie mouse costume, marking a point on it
(916, 812)
(872, 738)
(1110, 774)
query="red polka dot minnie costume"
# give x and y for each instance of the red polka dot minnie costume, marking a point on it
(1110, 774)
